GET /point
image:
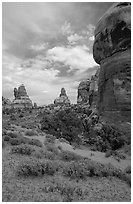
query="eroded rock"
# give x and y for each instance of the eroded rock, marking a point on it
(22, 99)
(62, 99)
(112, 50)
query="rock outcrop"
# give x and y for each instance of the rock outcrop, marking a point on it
(112, 50)
(62, 99)
(22, 99)
(88, 90)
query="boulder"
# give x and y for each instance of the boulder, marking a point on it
(62, 99)
(112, 50)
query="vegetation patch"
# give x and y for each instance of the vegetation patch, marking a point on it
(69, 156)
(86, 168)
(23, 149)
(34, 167)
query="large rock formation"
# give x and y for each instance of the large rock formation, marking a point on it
(88, 91)
(62, 99)
(21, 98)
(112, 50)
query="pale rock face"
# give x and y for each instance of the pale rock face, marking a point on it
(21, 98)
(112, 50)
(62, 99)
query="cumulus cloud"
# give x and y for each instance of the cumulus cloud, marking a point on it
(78, 57)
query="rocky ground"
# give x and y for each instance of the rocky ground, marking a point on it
(36, 167)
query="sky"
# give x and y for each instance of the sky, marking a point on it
(47, 46)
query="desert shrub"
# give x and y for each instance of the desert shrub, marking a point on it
(33, 167)
(69, 156)
(35, 142)
(50, 139)
(49, 155)
(109, 137)
(52, 148)
(6, 138)
(66, 189)
(37, 154)
(86, 168)
(23, 149)
(128, 170)
(43, 153)
(108, 153)
(75, 170)
(30, 132)
(15, 141)
(13, 135)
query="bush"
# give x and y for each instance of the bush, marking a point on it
(63, 124)
(30, 132)
(50, 139)
(35, 142)
(13, 135)
(128, 170)
(66, 189)
(108, 153)
(69, 156)
(15, 141)
(52, 148)
(6, 138)
(23, 149)
(107, 137)
(33, 167)
(86, 168)
(41, 153)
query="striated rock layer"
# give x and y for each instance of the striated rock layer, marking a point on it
(112, 50)
(62, 99)
(21, 100)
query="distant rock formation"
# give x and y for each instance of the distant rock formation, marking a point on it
(112, 50)
(88, 90)
(62, 99)
(21, 98)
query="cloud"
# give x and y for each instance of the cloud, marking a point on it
(66, 29)
(77, 58)
(72, 39)
(39, 47)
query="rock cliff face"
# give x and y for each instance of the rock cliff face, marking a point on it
(87, 91)
(112, 50)
(21, 98)
(62, 99)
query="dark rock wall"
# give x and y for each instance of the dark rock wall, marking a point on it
(112, 50)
